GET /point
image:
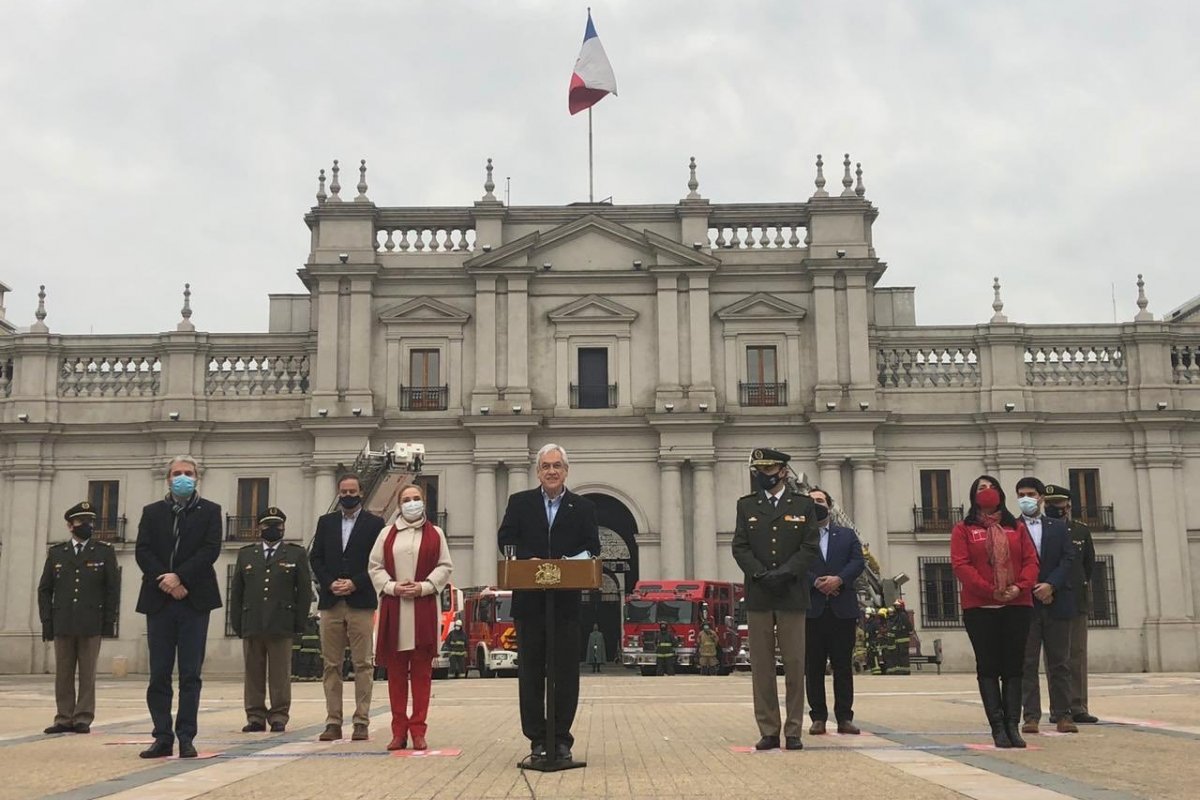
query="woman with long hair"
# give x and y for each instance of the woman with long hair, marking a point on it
(997, 566)
(409, 566)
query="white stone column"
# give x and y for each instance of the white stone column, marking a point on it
(825, 328)
(518, 332)
(324, 371)
(671, 520)
(323, 493)
(830, 470)
(704, 522)
(359, 390)
(485, 336)
(486, 550)
(865, 514)
(668, 332)
(28, 523)
(518, 477)
(700, 321)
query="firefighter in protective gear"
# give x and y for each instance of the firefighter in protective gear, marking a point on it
(882, 643)
(455, 649)
(665, 651)
(708, 647)
(901, 628)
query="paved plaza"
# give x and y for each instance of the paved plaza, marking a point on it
(669, 737)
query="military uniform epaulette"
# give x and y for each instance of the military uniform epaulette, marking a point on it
(748, 496)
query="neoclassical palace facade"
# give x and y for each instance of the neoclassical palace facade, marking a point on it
(658, 344)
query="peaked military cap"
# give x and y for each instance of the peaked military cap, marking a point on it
(84, 509)
(1056, 492)
(765, 457)
(272, 514)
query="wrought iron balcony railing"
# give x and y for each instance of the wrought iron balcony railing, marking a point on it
(593, 395)
(762, 394)
(936, 519)
(424, 398)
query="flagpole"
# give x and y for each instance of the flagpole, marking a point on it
(591, 190)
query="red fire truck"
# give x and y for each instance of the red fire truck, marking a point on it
(491, 635)
(684, 606)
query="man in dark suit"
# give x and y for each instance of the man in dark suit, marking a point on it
(77, 601)
(774, 541)
(269, 597)
(1053, 610)
(339, 553)
(178, 541)
(832, 619)
(548, 522)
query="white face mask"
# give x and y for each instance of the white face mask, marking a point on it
(412, 510)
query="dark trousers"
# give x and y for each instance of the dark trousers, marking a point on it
(1053, 638)
(531, 677)
(177, 630)
(998, 637)
(1079, 665)
(829, 638)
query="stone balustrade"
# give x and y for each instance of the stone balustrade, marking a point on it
(233, 375)
(759, 226)
(110, 376)
(1185, 364)
(1076, 365)
(928, 366)
(403, 231)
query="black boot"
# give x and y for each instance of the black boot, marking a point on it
(1011, 699)
(989, 692)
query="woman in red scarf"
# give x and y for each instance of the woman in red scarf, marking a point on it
(409, 566)
(997, 567)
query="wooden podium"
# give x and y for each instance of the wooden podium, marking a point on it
(547, 576)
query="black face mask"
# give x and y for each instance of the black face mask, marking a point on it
(768, 482)
(272, 533)
(1054, 512)
(350, 500)
(821, 511)
(82, 532)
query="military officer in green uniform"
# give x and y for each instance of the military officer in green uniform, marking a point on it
(1058, 504)
(268, 604)
(77, 602)
(775, 538)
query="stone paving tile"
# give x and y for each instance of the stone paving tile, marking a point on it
(642, 737)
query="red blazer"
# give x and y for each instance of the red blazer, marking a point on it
(969, 556)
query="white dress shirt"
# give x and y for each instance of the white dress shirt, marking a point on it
(1034, 526)
(348, 526)
(824, 543)
(405, 550)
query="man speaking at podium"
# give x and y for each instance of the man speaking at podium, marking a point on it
(548, 522)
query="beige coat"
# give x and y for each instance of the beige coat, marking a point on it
(404, 550)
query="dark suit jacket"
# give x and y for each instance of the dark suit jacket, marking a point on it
(198, 549)
(329, 562)
(1054, 566)
(524, 526)
(846, 561)
(766, 538)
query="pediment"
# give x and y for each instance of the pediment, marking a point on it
(424, 309)
(592, 308)
(761, 306)
(592, 243)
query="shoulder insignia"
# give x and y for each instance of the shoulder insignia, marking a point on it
(249, 546)
(748, 496)
(101, 543)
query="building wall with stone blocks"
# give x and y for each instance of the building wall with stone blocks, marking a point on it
(658, 344)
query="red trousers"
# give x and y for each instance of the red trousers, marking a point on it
(405, 666)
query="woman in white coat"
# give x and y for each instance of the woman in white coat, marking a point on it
(409, 566)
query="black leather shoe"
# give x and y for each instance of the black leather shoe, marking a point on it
(57, 728)
(278, 727)
(81, 727)
(160, 749)
(187, 750)
(1085, 718)
(793, 743)
(562, 752)
(254, 727)
(537, 752)
(767, 743)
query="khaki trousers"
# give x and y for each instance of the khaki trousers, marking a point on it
(268, 660)
(73, 653)
(1079, 665)
(766, 629)
(342, 626)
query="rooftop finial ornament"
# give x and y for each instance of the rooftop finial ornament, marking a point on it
(335, 187)
(847, 181)
(693, 184)
(362, 183)
(321, 196)
(489, 185)
(997, 304)
(40, 325)
(185, 324)
(1142, 315)
(820, 181)
(859, 189)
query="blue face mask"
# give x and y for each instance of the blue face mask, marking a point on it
(183, 485)
(1028, 505)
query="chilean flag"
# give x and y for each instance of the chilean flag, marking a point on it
(593, 76)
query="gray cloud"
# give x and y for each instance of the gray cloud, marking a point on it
(149, 144)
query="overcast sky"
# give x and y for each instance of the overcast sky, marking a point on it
(144, 145)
